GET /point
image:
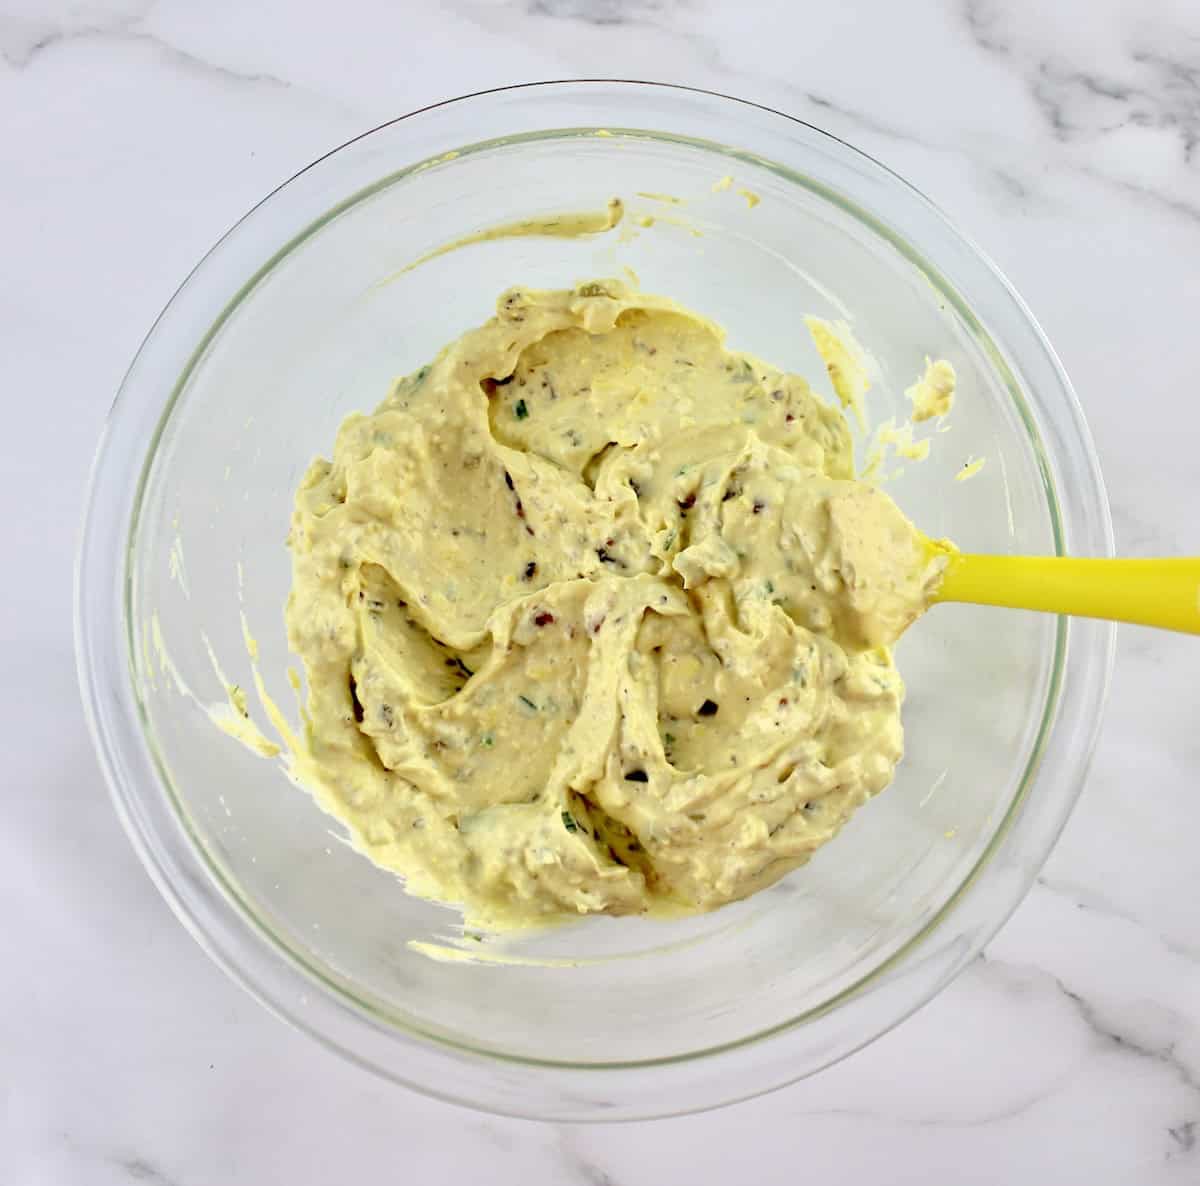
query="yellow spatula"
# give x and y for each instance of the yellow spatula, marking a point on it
(1163, 593)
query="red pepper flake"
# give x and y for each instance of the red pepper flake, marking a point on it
(543, 619)
(685, 504)
(520, 506)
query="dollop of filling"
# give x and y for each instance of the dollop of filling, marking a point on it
(595, 616)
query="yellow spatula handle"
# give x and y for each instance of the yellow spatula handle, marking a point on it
(1163, 593)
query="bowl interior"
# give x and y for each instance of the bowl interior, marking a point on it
(323, 330)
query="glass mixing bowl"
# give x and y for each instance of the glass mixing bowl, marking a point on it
(301, 315)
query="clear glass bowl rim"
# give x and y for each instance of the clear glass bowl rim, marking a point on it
(274, 974)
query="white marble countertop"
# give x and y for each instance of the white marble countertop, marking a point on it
(1066, 138)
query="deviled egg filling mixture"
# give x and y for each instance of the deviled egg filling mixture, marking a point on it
(595, 615)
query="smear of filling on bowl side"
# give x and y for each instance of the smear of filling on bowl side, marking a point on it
(595, 614)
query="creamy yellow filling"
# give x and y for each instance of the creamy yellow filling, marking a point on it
(595, 615)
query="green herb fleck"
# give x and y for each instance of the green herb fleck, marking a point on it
(569, 822)
(770, 588)
(520, 410)
(487, 741)
(669, 738)
(527, 702)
